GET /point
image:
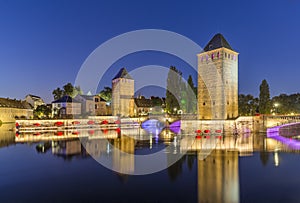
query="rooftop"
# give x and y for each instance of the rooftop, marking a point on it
(218, 41)
(66, 99)
(123, 74)
(13, 103)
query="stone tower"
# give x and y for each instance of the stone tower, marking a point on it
(122, 94)
(218, 80)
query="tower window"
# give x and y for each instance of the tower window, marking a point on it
(203, 103)
(234, 57)
(212, 56)
(228, 103)
(229, 56)
(225, 55)
(201, 58)
(218, 54)
(206, 57)
(214, 102)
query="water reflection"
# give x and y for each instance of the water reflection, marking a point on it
(7, 136)
(217, 169)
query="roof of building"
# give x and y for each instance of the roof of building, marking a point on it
(142, 102)
(123, 74)
(13, 103)
(34, 97)
(66, 99)
(216, 42)
(86, 97)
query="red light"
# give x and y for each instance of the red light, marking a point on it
(91, 132)
(76, 122)
(59, 133)
(206, 131)
(118, 130)
(198, 131)
(207, 136)
(104, 122)
(58, 123)
(198, 137)
(90, 122)
(75, 133)
(218, 131)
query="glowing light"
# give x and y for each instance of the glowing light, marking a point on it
(276, 158)
(175, 126)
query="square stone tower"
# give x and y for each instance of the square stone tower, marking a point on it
(122, 94)
(218, 80)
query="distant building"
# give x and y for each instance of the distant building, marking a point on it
(87, 104)
(122, 94)
(34, 101)
(142, 106)
(218, 80)
(66, 107)
(102, 107)
(10, 109)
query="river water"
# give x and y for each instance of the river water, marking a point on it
(45, 168)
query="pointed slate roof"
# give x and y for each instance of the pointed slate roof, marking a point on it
(216, 42)
(123, 74)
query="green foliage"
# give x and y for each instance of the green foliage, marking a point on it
(286, 104)
(58, 93)
(173, 93)
(106, 94)
(264, 98)
(248, 105)
(68, 90)
(42, 111)
(191, 91)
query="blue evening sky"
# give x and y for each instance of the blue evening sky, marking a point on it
(44, 43)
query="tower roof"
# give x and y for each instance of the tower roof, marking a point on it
(123, 74)
(216, 42)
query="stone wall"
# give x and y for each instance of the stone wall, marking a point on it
(9, 114)
(122, 94)
(218, 84)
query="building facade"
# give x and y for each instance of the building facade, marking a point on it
(102, 107)
(34, 100)
(218, 80)
(87, 104)
(66, 107)
(10, 109)
(122, 94)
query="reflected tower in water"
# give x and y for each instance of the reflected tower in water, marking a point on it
(218, 177)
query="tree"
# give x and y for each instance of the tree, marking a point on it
(42, 111)
(248, 105)
(191, 104)
(106, 94)
(264, 98)
(58, 93)
(173, 92)
(69, 90)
